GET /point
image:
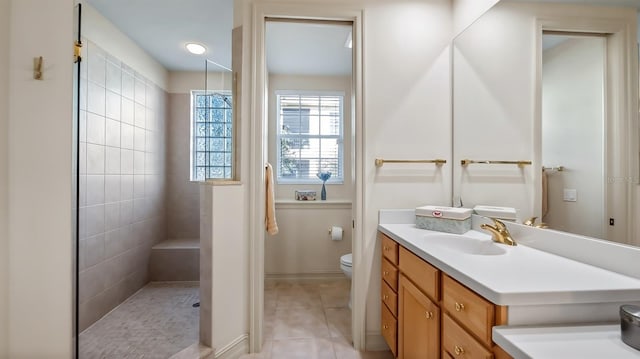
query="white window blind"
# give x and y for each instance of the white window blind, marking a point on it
(310, 136)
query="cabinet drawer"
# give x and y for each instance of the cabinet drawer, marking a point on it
(472, 311)
(390, 298)
(389, 248)
(390, 274)
(390, 330)
(460, 344)
(425, 276)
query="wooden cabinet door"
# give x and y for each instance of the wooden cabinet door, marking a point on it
(418, 323)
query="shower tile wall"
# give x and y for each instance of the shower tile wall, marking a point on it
(122, 181)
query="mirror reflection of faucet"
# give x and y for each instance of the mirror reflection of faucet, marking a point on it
(500, 232)
(531, 222)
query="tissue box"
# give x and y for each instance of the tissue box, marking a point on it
(444, 219)
(305, 195)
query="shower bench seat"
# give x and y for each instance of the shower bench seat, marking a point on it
(175, 259)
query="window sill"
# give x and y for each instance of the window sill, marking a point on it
(219, 182)
(331, 204)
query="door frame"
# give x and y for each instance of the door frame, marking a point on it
(621, 113)
(259, 152)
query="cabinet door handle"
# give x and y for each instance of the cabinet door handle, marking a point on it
(385, 326)
(459, 307)
(385, 297)
(429, 315)
(458, 350)
(385, 273)
(386, 248)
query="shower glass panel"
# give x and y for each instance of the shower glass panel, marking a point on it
(77, 13)
(213, 128)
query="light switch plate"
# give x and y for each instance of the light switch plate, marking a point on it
(570, 195)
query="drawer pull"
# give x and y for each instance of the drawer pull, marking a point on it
(387, 248)
(459, 307)
(385, 297)
(458, 350)
(429, 315)
(385, 326)
(385, 273)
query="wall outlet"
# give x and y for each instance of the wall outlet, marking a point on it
(570, 195)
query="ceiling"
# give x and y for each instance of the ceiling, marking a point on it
(308, 48)
(163, 27)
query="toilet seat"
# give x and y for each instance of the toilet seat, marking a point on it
(346, 260)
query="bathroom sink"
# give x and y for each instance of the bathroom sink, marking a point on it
(466, 245)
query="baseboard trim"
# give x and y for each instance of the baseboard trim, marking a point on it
(305, 276)
(375, 342)
(235, 349)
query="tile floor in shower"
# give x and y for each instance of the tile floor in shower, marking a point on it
(309, 320)
(156, 322)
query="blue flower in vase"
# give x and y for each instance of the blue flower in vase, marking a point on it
(324, 176)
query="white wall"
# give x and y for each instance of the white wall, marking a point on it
(303, 245)
(572, 134)
(40, 177)
(185, 81)
(493, 110)
(465, 12)
(407, 115)
(101, 31)
(228, 295)
(4, 224)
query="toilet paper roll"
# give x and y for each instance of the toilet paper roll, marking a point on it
(336, 233)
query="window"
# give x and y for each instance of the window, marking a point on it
(211, 136)
(310, 136)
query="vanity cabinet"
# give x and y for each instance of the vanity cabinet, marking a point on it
(427, 314)
(389, 293)
(418, 323)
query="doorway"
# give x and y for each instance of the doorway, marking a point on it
(309, 65)
(573, 132)
(615, 155)
(263, 131)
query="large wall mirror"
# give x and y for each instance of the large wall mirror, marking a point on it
(544, 111)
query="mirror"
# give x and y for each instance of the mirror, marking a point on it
(503, 111)
(573, 123)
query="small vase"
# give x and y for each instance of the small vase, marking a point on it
(323, 193)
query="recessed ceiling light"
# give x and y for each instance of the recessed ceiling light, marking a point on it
(196, 49)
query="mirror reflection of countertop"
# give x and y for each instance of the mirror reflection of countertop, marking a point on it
(518, 275)
(579, 341)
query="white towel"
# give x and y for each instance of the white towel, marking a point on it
(270, 214)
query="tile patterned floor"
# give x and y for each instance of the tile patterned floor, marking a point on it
(154, 323)
(309, 320)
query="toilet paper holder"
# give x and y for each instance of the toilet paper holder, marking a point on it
(338, 235)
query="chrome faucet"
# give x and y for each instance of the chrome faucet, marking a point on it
(500, 232)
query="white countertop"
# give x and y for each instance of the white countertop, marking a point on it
(584, 342)
(521, 275)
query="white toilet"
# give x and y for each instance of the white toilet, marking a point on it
(346, 263)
